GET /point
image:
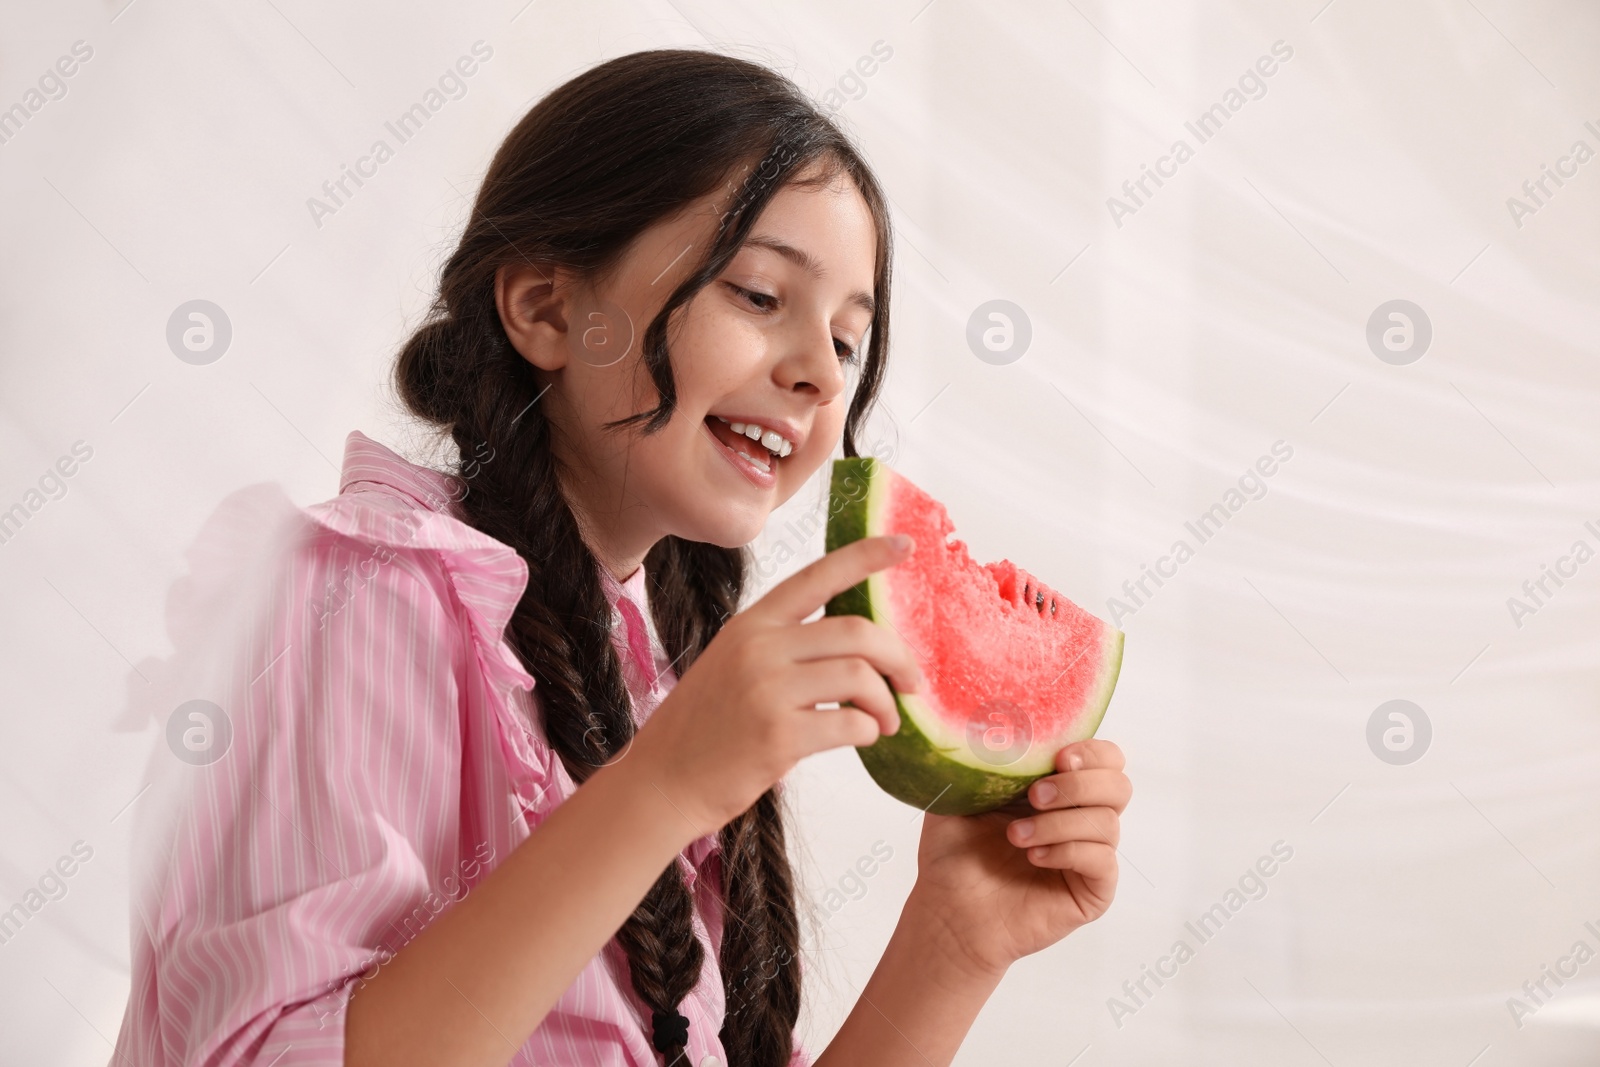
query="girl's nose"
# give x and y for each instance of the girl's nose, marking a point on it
(812, 367)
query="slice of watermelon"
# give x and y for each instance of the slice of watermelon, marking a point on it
(1013, 671)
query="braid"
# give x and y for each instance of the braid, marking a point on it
(664, 955)
(760, 938)
(760, 932)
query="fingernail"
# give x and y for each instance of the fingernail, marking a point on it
(900, 542)
(1074, 762)
(1023, 829)
(1044, 793)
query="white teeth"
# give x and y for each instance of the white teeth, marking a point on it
(773, 441)
(754, 462)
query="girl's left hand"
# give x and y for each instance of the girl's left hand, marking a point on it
(994, 892)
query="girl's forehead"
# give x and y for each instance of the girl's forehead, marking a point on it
(830, 221)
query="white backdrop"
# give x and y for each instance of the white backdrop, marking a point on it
(1175, 338)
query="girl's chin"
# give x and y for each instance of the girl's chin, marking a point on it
(729, 531)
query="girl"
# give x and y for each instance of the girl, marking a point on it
(511, 792)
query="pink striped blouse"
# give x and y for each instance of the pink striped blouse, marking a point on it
(385, 756)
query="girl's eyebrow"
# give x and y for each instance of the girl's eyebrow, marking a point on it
(808, 263)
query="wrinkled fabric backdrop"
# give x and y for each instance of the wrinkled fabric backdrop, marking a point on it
(1424, 534)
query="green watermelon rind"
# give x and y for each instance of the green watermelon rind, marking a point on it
(916, 765)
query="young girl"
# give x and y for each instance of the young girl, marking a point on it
(504, 777)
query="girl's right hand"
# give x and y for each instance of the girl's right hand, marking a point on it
(745, 711)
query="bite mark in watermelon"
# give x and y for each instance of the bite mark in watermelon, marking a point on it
(1013, 671)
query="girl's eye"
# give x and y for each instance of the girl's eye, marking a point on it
(754, 296)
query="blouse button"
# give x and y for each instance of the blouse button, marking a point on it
(710, 1061)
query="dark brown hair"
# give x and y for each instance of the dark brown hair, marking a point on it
(592, 165)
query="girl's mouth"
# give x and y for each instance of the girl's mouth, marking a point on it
(752, 457)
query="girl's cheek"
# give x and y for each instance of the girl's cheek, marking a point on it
(818, 447)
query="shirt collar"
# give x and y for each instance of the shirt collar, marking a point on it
(372, 467)
(368, 464)
(630, 615)
(632, 588)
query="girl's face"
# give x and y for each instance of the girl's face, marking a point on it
(759, 356)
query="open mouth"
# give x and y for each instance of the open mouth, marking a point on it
(758, 446)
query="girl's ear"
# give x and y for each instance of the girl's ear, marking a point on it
(535, 305)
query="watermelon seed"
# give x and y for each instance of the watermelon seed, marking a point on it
(1037, 596)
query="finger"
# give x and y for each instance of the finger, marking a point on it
(856, 635)
(827, 728)
(1090, 753)
(1073, 824)
(848, 680)
(1096, 862)
(1097, 788)
(792, 599)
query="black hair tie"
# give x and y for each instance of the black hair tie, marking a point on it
(671, 1030)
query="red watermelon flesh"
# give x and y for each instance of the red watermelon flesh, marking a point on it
(1013, 670)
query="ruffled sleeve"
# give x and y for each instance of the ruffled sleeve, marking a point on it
(331, 828)
(484, 580)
